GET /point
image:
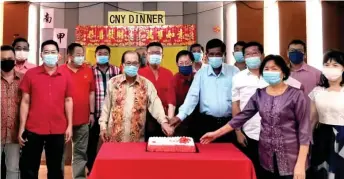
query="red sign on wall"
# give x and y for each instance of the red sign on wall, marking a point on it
(124, 36)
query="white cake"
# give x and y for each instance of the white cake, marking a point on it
(171, 144)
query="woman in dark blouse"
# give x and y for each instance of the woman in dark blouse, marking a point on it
(286, 133)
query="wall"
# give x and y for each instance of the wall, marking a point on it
(15, 21)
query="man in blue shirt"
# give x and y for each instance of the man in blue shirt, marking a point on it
(211, 87)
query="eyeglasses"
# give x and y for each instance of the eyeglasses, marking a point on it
(219, 54)
(184, 64)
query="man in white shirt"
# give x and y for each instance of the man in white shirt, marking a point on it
(244, 85)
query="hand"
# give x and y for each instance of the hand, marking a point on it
(299, 171)
(68, 134)
(208, 137)
(167, 129)
(104, 136)
(91, 120)
(241, 138)
(175, 121)
(20, 137)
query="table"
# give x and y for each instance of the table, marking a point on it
(131, 161)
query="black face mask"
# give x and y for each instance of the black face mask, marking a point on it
(7, 65)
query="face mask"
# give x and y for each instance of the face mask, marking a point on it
(143, 60)
(215, 62)
(7, 65)
(79, 60)
(185, 70)
(131, 70)
(239, 57)
(332, 74)
(155, 59)
(296, 57)
(197, 56)
(21, 55)
(102, 60)
(50, 60)
(253, 62)
(272, 77)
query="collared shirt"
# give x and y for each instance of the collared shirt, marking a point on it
(179, 88)
(285, 126)
(47, 100)
(308, 76)
(83, 82)
(161, 84)
(101, 80)
(10, 103)
(245, 84)
(26, 66)
(214, 92)
(120, 113)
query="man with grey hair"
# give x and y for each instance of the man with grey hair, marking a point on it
(142, 53)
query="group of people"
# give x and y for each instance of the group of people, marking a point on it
(287, 116)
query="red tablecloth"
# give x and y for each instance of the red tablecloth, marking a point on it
(131, 161)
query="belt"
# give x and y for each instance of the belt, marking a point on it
(219, 120)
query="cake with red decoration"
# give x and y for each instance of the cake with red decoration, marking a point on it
(171, 144)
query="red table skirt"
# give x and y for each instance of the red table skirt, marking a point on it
(131, 161)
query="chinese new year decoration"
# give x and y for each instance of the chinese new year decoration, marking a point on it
(216, 29)
(124, 36)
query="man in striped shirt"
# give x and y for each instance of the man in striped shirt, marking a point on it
(102, 72)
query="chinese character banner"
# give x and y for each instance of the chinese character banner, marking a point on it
(125, 36)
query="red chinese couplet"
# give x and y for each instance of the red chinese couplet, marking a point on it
(124, 36)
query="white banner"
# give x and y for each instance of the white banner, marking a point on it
(60, 36)
(47, 18)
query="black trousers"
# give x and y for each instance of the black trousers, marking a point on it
(251, 151)
(3, 166)
(275, 175)
(30, 159)
(92, 147)
(206, 123)
(153, 128)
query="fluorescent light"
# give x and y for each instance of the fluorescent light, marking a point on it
(271, 27)
(32, 33)
(314, 33)
(231, 29)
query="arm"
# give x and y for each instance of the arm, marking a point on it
(69, 110)
(240, 119)
(154, 104)
(302, 113)
(314, 115)
(24, 110)
(106, 108)
(192, 97)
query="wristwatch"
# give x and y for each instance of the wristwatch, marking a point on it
(91, 113)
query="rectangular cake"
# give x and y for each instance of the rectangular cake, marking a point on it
(171, 144)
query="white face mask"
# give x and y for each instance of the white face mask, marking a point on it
(332, 74)
(22, 55)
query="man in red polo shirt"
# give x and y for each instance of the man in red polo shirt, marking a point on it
(83, 106)
(161, 78)
(45, 115)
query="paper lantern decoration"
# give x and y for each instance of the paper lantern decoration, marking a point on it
(216, 29)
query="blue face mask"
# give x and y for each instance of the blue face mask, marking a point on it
(272, 77)
(197, 56)
(185, 70)
(296, 57)
(215, 62)
(155, 59)
(131, 70)
(253, 62)
(79, 60)
(239, 57)
(143, 60)
(50, 60)
(102, 60)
